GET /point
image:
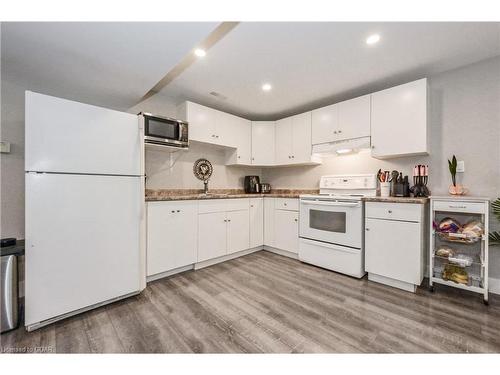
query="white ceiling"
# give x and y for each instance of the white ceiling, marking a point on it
(107, 64)
(313, 64)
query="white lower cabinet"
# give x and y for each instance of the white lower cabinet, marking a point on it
(269, 208)
(256, 222)
(394, 244)
(286, 230)
(183, 233)
(166, 249)
(238, 231)
(212, 233)
(223, 227)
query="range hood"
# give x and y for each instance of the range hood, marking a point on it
(346, 146)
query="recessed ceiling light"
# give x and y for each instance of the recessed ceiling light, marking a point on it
(372, 39)
(200, 52)
(344, 151)
(266, 87)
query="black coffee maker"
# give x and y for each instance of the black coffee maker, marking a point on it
(252, 184)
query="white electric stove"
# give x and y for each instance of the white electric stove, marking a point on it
(331, 223)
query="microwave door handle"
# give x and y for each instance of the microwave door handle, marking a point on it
(182, 126)
(333, 204)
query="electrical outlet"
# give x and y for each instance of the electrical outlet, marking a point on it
(4, 147)
(460, 166)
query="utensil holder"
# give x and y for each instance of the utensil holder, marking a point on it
(385, 189)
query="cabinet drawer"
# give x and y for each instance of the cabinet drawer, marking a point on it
(291, 204)
(394, 211)
(469, 207)
(237, 204)
(212, 205)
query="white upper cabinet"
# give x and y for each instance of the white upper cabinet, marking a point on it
(354, 118)
(263, 142)
(293, 140)
(235, 132)
(284, 141)
(346, 120)
(324, 122)
(301, 138)
(215, 127)
(399, 120)
(202, 121)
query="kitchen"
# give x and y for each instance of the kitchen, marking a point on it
(257, 216)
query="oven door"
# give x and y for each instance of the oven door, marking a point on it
(336, 222)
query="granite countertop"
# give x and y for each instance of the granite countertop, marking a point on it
(416, 200)
(197, 194)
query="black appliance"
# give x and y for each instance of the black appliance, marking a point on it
(252, 184)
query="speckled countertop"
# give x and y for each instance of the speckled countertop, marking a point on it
(417, 200)
(197, 194)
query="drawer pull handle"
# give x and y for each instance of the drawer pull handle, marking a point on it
(173, 211)
(389, 211)
(296, 219)
(367, 229)
(178, 210)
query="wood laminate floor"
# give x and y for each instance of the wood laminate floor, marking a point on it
(267, 303)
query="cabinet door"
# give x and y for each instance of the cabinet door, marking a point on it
(211, 235)
(354, 118)
(325, 122)
(243, 142)
(301, 138)
(393, 249)
(263, 143)
(284, 141)
(399, 120)
(287, 230)
(238, 231)
(167, 247)
(269, 222)
(202, 122)
(256, 222)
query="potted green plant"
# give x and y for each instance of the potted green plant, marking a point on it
(455, 189)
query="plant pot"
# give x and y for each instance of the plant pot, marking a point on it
(457, 190)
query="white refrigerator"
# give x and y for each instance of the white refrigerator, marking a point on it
(84, 207)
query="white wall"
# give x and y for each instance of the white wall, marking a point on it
(464, 120)
(12, 165)
(165, 170)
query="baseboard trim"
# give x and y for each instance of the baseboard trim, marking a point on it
(284, 253)
(494, 285)
(224, 258)
(392, 282)
(175, 271)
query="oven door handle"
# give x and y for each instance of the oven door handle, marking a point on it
(333, 204)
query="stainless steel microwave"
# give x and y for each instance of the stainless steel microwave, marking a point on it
(165, 131)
